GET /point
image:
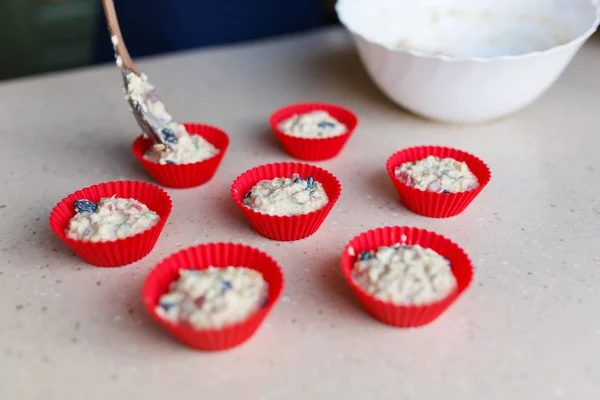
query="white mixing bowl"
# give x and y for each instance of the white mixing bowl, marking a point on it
(466, 61)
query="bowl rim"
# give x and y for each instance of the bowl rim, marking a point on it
(578, 40)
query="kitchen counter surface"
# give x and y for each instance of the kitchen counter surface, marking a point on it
(528, 328)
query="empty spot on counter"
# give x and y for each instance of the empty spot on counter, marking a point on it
(558, 391)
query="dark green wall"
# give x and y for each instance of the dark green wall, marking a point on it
(38, 36)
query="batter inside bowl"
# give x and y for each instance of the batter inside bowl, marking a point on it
(470, 28)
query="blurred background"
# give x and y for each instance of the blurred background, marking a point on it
(40, 36)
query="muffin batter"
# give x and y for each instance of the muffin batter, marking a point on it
(434, 174)
(184, 148)
(136, 89)
(404, 275)
(179, 147)
(286, 196)
(111, 218)
(315, 124)
(140, 93)
(214, 297)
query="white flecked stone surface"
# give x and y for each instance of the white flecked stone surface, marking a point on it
(528, 328)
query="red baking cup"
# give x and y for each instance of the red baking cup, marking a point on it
(286, 228)
(182, 176)
(119, 252)
(407, 316)
(309, 149)
(201, 257)
(437, 205)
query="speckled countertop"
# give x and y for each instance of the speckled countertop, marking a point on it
(529, 327)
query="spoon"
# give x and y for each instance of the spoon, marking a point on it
(149, 111)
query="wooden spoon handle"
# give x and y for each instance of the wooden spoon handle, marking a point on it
(113, 27)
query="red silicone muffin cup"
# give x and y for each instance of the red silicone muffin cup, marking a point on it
(201, 257)
(181, 176)
(120, 252)
(286, 228)
(407, 316)
(309, 149)
(437, 205)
